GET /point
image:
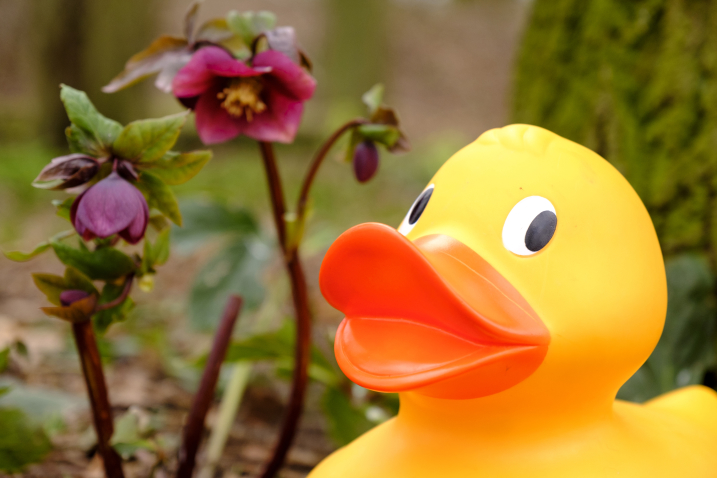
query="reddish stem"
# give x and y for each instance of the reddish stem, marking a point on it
(303, 317)
(194, 427)
(99, 401)
(316, 164)
(121, 298)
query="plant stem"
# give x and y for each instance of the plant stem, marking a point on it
(202, 400)
(121, 298)
(99, 401)
(303, 316)
(316, 163)
(225, 417)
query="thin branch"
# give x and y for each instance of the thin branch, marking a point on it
(303, 317)
(192, 435)
(317, 161)
(99, 401)
(121, 298)
(276, 192)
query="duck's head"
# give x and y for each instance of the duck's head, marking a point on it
(527, 263)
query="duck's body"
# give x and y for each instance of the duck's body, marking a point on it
(524, 287)
(632, 440)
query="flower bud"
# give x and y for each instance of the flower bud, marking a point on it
(365, 161)
(67, 172)
(68, 297)
(112, 206)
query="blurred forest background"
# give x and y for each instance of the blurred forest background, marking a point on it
(635, 81)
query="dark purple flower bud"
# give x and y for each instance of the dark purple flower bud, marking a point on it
(67, 172)
(365, 161)
(112, 206)
(68, 297)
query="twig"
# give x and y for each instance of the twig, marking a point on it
(316, 163)
(303, 317)
(120, 299)
(202, 400)
(99, 401)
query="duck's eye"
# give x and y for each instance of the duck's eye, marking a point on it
(530, 226)
(414, 214)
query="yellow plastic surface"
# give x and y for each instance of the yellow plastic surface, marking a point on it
(599, 288)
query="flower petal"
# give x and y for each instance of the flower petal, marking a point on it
(214, 123)
(206, 64)
(286, 76)
(107, 207)
(279, 122)
(135, 231)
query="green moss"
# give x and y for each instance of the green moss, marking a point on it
(637, 82)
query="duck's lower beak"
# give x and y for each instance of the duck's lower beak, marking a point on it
(431, 316)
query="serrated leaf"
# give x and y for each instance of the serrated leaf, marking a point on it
(145, 141)
(159, 196)
(20, 442)
(104, 318)
(164, 52)
(51, 285)
(90, 127)
(78, 311)
(373, 98)
(178, 168)
(248, 25)
(384, 134)
(103, 264)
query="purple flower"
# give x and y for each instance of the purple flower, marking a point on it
(68, 297)
(263, 101)
(112, 206)
(365, 161)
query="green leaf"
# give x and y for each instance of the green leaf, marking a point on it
(63, 207)
(178, 168)
(203, 220)
(248, 25)
(103, 264)
(20, 443)
(4, 358)
(373, 98)
(159, 196)
(346, 421)
(104, 318)
(215, 30)
(384, 134)
(235, 270)
(91, 132)
(160, 248)
(51, 285)
(145, 141)
(19, 256)
(76, 280)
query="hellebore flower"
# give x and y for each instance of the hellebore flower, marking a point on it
(67, 172)
(112, 206)
(68, 297)
(263, 101)
(365, 161)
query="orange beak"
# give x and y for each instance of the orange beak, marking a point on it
(431, 316)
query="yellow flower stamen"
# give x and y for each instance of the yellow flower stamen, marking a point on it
(241, 98)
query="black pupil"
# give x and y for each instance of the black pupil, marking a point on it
(420, 205)
(541, 230)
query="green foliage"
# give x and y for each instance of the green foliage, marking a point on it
(384, 134)
(130, 436)
(4, 358)
(19, 256)
(20, 443)
(90, 132)
(159, 196)
(346, 421)
(178, 168)
(146, 141)
(104, 318)
(102, 264)
(248, 25)
(636, 82)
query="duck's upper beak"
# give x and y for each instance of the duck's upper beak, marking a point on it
(431, 316)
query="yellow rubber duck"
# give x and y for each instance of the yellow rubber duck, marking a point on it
(523, 288)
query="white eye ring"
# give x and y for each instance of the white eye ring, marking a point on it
(421, 201)
(519, 221)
